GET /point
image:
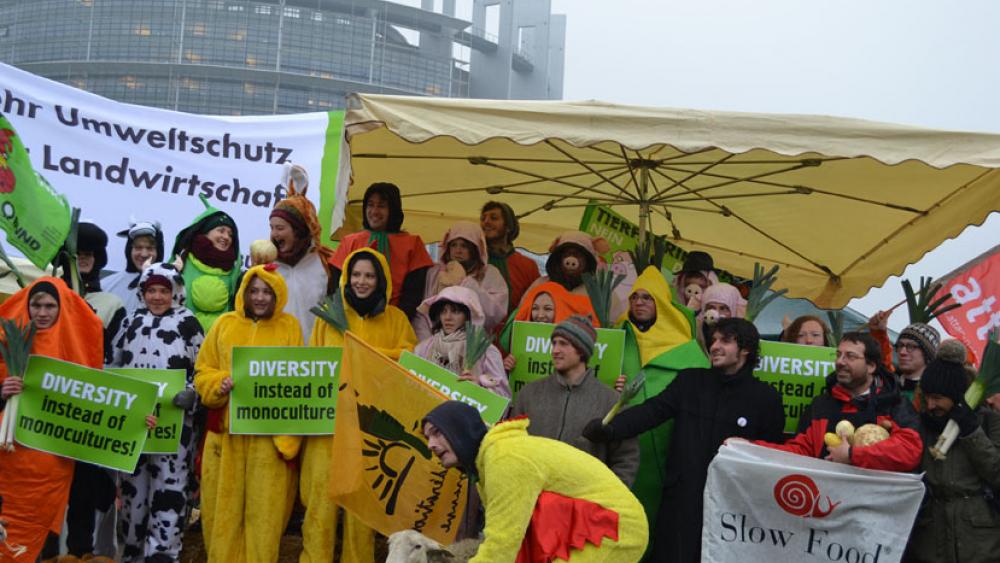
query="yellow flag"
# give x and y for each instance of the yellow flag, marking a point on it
(384, 472)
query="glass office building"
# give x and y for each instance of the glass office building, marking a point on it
(243, 57)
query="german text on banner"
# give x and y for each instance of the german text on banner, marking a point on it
(34, 216)
(531, 344)
(490, 405)
(977, 290)
(114, 160)
(798, 373)
(385, 473)
(166, 437)
(768, 505)
(85, 414)
(288, 390)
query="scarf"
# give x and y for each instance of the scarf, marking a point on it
(205, 251)
(448, 350)
(381, 240)
(499, 261)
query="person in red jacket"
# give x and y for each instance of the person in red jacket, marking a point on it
(862, 392)
(500, 227)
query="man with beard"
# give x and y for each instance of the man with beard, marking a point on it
(573, 254)
(707, 406)
(382, 210)
(862, 392)
(500, 227)
(956, 523)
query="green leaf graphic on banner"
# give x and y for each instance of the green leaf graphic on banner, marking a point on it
(284, 390)
(490, 405)
(34, 216)
(166, 437)
(531, 345)
(797, 372)
(82, 413)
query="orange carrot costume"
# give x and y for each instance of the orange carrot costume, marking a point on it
(35, 485)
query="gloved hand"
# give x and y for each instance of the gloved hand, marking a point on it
(597, 432)
(965, 417)
(185, 399)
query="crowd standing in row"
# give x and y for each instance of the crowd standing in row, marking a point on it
(189, 310)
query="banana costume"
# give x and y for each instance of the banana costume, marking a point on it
(390, 333)
(247, 488)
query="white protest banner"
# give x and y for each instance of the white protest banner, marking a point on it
(768, 505)
(116, 160)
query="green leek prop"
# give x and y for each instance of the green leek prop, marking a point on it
(600, 288)
(628, 393)
(477, 342)
(760, 292)
(922, 305)
(15, 349)
(987, 383)
(331, 310)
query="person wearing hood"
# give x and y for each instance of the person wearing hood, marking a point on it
(143, 245)
(956, 523)
(247, 483)
(500, 227)
(207, 253)
(862, 392)
(35, 485)
(161, 334)
(718, 301)
(544, 499)
(406, 254)
(448, 311)
(696, 274)
(302, 260)
(366, 293)
(707, 407)
(659, 341)
(547, 302)
(573, 254)
(464, 263)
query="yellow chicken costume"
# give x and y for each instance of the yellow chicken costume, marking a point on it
(389, 332)
(248, 486)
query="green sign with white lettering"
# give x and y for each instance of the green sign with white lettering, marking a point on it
(531, 344)
(83, 413)
(797, 372)
(284, 390)
(490, 405)
(166, 437)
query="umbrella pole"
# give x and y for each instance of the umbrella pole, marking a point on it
(643, 205)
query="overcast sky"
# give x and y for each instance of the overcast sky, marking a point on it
(921, 62)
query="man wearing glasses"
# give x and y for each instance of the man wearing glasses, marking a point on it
(861, 391)
(916, 347)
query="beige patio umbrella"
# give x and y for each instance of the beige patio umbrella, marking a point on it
(839, 204)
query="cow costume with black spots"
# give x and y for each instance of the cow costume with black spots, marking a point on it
(154, 497)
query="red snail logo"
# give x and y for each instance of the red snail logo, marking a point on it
(798, 495)
(7, 179)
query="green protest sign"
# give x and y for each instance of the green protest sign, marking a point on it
(531, 346)
(83, 413)
(490, 405)
(284, 390)
(35, 217)
(797, 372)
(166, 437)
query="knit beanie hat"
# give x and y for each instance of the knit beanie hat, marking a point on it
(463, 427)
(581, 334)
(925, 336)
(946, 375)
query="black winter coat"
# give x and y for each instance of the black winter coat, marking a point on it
(707, 407)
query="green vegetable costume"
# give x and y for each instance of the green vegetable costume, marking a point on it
(665, 348)
(209, 288)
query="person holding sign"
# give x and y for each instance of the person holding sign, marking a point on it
(550, 303)
(366, 294)
(448, 312)
(207, 253)
(659, 341)
(248, 484)
(161, 334)
(464, 263)
(544, 500)
(560, 405)
(35, 485)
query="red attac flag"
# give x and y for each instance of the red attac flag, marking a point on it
(976, 287)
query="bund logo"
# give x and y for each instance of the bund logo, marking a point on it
(7, 179)
(798, 495)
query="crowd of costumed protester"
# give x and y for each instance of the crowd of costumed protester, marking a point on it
(555, 480)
